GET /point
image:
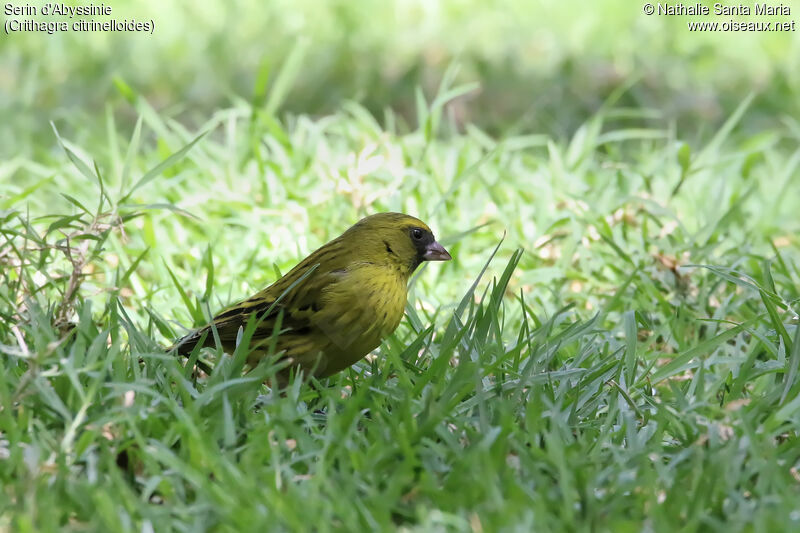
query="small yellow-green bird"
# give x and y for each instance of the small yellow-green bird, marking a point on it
(353, 295)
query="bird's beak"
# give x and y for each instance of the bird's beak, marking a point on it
(436, 252)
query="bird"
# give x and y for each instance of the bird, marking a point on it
(336, 305)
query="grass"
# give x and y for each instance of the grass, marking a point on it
(542, 66)
(614, 348)
(626, 359)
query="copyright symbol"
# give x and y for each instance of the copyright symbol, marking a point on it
(649, 9)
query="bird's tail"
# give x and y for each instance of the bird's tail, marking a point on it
(184, 346)
(187, 343)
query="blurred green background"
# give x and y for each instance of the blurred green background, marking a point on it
(543, 66)
(322, 112)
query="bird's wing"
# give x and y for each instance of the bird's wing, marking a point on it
(295, 304)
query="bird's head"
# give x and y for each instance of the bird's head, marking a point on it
(397, 239)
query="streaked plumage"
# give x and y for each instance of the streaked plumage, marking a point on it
(353, 298)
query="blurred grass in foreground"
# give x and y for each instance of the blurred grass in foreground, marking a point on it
(595, 380)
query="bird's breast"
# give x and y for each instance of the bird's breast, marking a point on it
(363, 306)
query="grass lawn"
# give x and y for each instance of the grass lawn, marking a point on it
(615, 346)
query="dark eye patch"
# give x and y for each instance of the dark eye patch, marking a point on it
(421, 238)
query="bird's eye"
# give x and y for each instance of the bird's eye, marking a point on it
(417, 233)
